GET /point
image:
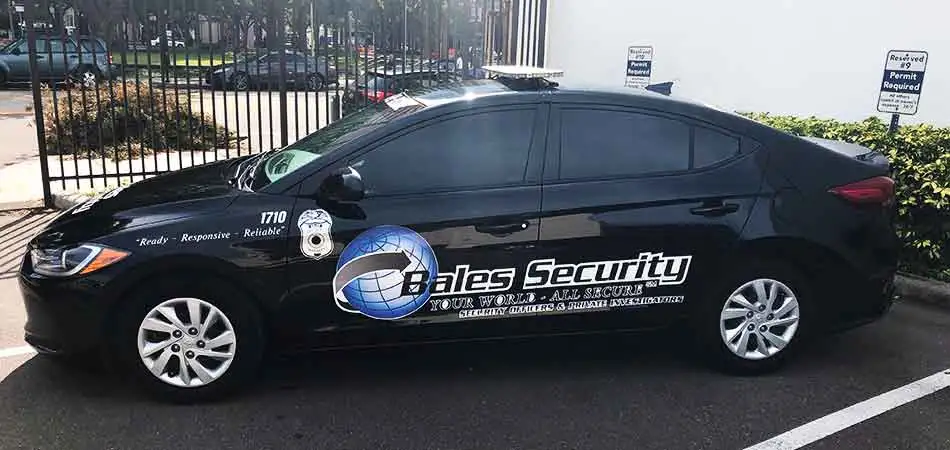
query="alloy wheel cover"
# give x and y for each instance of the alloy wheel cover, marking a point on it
(759, 319)
(186, 342)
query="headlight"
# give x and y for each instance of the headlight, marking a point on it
(64, 262)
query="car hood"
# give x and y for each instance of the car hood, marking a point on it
(183, 193)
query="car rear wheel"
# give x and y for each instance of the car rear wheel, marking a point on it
(755, 318)
(241, 81)
(190, 342)
(315, 82)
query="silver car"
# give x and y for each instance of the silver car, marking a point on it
(82, 59)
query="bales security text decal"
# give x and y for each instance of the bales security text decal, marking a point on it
(390, 272)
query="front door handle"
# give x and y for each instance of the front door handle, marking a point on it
(715, 210)
(501, 229)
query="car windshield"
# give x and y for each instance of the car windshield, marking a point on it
(279, 163)
(10, 46)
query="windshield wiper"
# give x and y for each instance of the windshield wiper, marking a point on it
(248, 174)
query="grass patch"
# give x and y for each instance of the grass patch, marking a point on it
(178, 57)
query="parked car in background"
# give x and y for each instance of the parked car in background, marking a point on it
(176, 41)
(302, 71)
(81, 59)
(377, 85)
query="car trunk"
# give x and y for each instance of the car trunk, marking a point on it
(860, 153)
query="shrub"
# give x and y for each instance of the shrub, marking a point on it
(114, 117)
(920, 159)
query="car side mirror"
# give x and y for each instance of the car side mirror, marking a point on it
(15, 51)
(343, 185)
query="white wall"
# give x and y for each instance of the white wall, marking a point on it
(803, 57)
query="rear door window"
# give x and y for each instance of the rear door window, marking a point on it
(606, 143)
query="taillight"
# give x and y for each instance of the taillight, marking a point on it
(377, 96)
(877, 190)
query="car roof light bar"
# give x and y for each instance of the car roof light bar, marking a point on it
(521, 72)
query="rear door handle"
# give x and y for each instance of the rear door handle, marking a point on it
(501, 229)
(715, 210)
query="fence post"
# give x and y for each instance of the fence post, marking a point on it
(37, 102)
(281, 44)
(334, 109)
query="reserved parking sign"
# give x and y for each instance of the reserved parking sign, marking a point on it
(903, 82)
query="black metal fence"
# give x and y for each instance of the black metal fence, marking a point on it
(127, 89)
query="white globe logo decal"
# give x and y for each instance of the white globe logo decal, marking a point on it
(372, 269)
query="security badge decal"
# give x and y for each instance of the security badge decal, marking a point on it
(315, 240)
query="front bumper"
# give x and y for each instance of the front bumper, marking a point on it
(63, 316)
(216, 79)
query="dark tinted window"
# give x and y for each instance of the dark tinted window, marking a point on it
(602, 143)
(710, 147)
(24, 47)
(90, 46)
(378, 84)
(480, 150)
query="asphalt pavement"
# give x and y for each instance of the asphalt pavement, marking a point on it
(631, 391)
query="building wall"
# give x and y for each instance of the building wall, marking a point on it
(803, 57)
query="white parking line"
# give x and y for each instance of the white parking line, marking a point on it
(855, 414)
(16, 351)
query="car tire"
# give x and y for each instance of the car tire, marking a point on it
(185, 347)
(3, 78)
(781, 326)
(240, 81)
(315, 82)
(85, 77)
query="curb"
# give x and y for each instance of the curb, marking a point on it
(67, 201)
(922, 290)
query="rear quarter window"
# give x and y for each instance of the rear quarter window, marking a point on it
(711, 147)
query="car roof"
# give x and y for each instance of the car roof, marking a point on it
(471, 91)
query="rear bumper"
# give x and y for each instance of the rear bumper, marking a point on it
(868, 299)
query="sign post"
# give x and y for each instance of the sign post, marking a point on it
(902, 84)
(639, 66)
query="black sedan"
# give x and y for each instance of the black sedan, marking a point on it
(300, 70)
(488, 208)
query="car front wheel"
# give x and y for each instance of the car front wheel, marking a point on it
(755, 318)
(190, 342)
(85, 77)
(241, 81)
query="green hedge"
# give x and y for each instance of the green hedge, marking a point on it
(920, 157)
